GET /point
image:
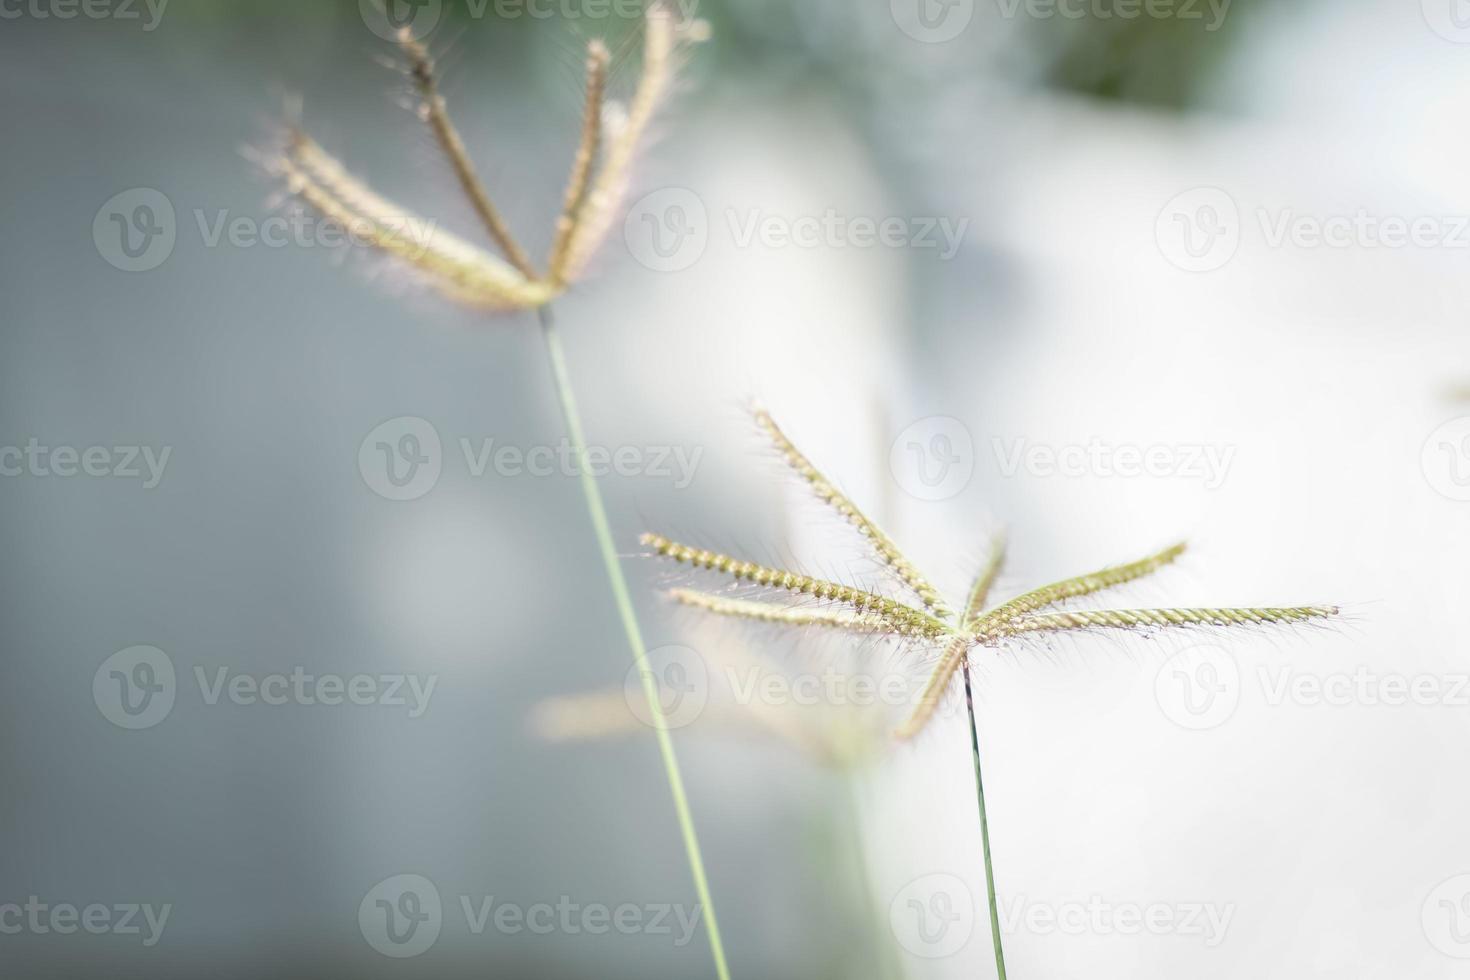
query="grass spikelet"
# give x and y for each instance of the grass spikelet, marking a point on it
(765, 612)
(480, 279)
(883, 547)
(575, 203)
(436, 114)
(975, 627)
(934, 690)
(984, 582)
(452, 265)
(900, 617)
(605, 197)
(1073, 588)
(1133, 619)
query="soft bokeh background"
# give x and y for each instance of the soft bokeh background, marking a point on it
(1331, 834)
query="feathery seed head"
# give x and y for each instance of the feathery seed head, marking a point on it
(600, 177)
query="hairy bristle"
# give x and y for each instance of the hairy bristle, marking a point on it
(765, 612)
(453, 266)
(574, 205)
(604, 198)
(1073, 588)
(436, 113)
(939, 681)
(984, 582)
(883, 547)
(1127, 619)
(902, 618)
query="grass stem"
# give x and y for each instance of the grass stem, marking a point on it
(619, 584)
(1000, 959)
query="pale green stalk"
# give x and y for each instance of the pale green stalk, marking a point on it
(1000, 959)
(614, 569)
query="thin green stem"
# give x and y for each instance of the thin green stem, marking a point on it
(1000, 959)
(614, 568)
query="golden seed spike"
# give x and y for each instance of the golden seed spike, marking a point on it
(949, 662)
(765, 612)
(902, 618)
(883, 547)
(436, 113)
(575, 203)
(452, 265)
(1073, 588)
(1145, 618)
(605, 197)
(984, 582)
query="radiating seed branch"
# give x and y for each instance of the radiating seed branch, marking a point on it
(1073, 588)
(1125, 619)
(902, 618)
(605, 197)
(436, 113)
(765, 612)
(984, 582)
(574, 205)
(883, 547)
(452, 265)
(933, 693)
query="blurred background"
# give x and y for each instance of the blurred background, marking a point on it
(278, 619)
